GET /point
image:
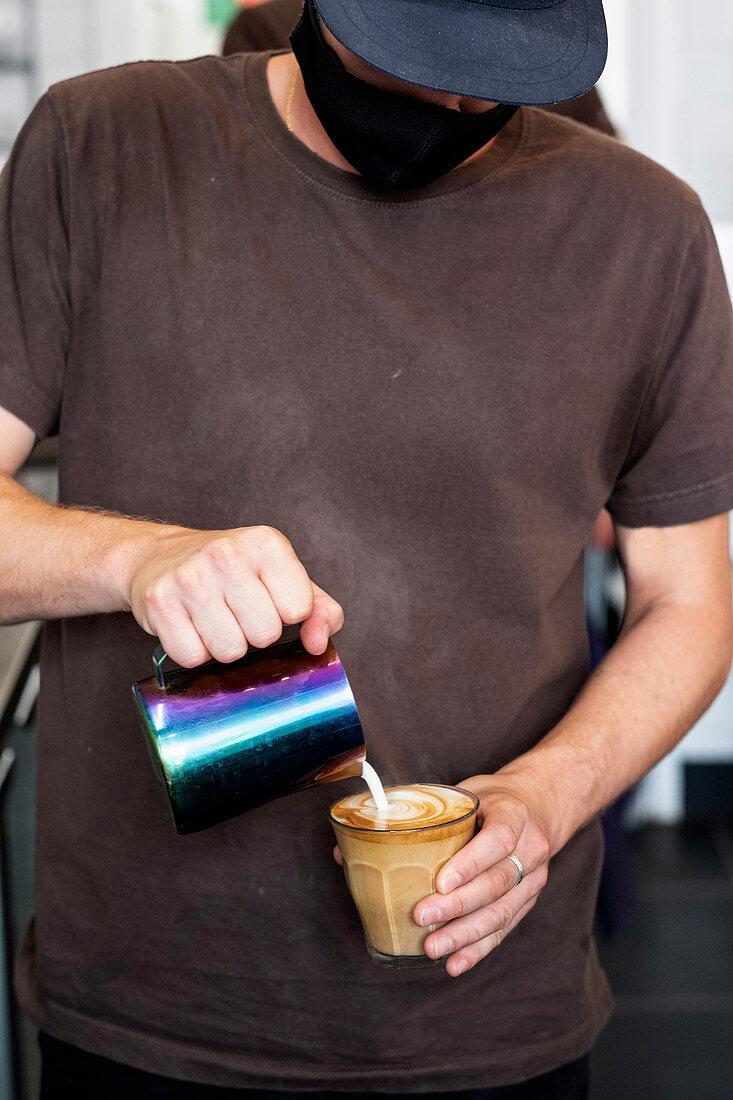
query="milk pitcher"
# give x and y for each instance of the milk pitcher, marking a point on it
(225, 738)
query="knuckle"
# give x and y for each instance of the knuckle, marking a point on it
(229, 651)
(188, 578)
(265, 538)
(189, 656)
(471, 865)
(474, 932)
(507, 877)
(507, 916)
(159, 600)
(503, 914)
(261, 637)
(544, 874)
(223, 553)
(459, 907)
(505, 836)
(299, 610)
(291, 616)
(541, 849)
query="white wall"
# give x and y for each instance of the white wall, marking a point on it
(669, 87)
(76, 36)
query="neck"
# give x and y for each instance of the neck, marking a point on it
(287, 90)
(292, 104)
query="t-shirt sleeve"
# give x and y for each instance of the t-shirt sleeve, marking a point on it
(34, 272)
(679, 467)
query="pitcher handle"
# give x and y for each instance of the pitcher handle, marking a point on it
(158, 658)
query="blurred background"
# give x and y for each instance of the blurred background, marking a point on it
(665, 916)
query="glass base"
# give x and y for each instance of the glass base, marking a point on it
(403, 962)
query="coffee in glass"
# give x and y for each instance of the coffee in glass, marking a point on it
(391, 860)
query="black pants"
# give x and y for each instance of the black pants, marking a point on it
(72, 1074)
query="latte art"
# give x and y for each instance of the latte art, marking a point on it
(391, 860)
(418, 806)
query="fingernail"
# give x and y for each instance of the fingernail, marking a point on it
(442, 945)
(449, 883)
(459, 967)
(430, 916)
(326, 636)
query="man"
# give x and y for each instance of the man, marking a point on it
(267, 24)
(357, 388)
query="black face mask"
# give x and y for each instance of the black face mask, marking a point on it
(394, 141)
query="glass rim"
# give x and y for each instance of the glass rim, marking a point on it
(417, 828)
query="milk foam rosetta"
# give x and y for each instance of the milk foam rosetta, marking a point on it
(391, 860)
(414, 807)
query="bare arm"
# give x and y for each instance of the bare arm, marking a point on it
(203, 593)
(671, 660)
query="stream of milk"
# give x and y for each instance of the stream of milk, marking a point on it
(374, 783)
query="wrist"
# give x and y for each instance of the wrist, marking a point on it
(550, 807)
(130, 546)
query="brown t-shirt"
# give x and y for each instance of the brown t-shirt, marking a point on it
(268, 27)
(432, 394)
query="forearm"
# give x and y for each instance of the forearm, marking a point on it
(664, 671)
(57, 562)
(203, 593)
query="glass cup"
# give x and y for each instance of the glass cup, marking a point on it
(388, 870)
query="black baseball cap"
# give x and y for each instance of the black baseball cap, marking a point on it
(509, 51)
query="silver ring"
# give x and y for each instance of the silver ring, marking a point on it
(518, 864)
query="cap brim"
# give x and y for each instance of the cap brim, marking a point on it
(507, 55)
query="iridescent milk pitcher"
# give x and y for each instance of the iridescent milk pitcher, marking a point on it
(225, 738)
